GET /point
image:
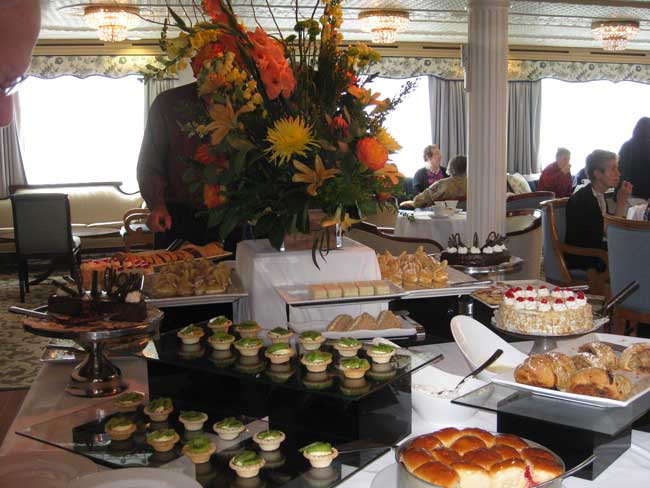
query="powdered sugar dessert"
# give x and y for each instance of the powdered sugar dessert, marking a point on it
(532, 310)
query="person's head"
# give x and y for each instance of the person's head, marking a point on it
(602, 169)
(563, 156)
(457, 166)
(642, 129)
(432, 157)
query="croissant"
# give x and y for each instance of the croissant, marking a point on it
(602, 352)
(584, 360)
(598, 382)
(536, 370)
(563, 368)
(636, 358)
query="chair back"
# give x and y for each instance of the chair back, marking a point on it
(528, 200)
(385, 217)
(629, 258)
(524, 231)
(372, 237)
(41, 224)
(554, 232)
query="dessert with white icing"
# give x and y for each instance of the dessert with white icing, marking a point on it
(493, 252)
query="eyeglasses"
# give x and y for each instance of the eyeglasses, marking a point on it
(12, 87)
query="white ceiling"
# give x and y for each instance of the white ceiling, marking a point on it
(557, 23)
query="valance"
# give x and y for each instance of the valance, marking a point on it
(84, 66)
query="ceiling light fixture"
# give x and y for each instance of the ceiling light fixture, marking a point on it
(111, 21)
(615, 34)
(383, 24)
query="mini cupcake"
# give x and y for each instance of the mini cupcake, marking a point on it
(354, 367)
(279, 353)
(319, 454)
(229, 428)
(247, 464)
(192, 420)
(347, 346)
(248, 328)
(311, 340)
(269, 440)
(279, 334)
(120, 428)
(129, 402)
(163, 440)
(220, 341)
(316, 361)
(191, 334)
(199, 449)
(248, 346)
(381, 353)
(220, 323)
(159, 409)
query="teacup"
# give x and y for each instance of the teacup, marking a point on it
(439, 204)
(451, 203)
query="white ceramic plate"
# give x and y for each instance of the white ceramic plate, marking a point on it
(46, 469)
(641, 383)
(321, 326)
(136, 478)
(478, 343)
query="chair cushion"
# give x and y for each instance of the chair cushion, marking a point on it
(518, 183)
(77, 241)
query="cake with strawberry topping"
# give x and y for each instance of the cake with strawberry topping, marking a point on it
(540, 310)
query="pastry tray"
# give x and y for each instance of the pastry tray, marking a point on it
(447, 290)
(298, 295)
(407, 330)
(233, 293)
(640, 382)
(511, 284)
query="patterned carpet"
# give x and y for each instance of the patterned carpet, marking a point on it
(19, 351)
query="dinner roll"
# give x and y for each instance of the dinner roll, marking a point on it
(512, 441)
(472, 475)
(485, 458)
(536, 452)
(467, 444)
(448, 435)
(427, 442)
(438, 474)
(445, 455)
(414, 458)
(484, 435)
(506, 452)
(542, 470)
(510, 473)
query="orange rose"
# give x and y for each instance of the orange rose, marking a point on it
(372, 153)
(204, 156)
(212, 195)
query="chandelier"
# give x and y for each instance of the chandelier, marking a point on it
(383, 24)
(614, 34)
(111, 21)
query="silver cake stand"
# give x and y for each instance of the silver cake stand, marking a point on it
(514, 264)
(96, 376)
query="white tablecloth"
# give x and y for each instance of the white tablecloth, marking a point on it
(47, 400)
(262, 268)
(439, 229)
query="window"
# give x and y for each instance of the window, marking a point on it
(82, 130)
(409, 123)
(587, 116)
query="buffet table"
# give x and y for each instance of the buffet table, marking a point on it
(425, 227)
(46, 400)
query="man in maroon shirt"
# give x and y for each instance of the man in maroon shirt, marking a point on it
(556, 177)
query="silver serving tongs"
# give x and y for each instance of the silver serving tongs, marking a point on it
(618, 298)
(471, 283)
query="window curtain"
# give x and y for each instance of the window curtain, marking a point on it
(12, 171)
(153, 88)
(448, 116)
(524, 118)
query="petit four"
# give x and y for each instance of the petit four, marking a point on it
(269, 440)
(347, 346)
(333, 290)
(129, 401)
(191, 334)
(248, 346)
(349, 290)
(199, 449)
(354, 367)
(311, 340)
(159, 409)
(120, 428)
(221, 341)
(316, 361)
(163, 440)
(279, 353)
(248, 328)
(366, 289)
(247, 464)
(229, 428)
(192, 420)
(381, 353)
(317, 292)
(221, 323)
(319, 454)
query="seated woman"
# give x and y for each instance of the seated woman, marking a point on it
(432, 172)
(585, 225)
(451, 188)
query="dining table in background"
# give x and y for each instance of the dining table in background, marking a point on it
(423, 224)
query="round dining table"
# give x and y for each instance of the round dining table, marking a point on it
(423, 224)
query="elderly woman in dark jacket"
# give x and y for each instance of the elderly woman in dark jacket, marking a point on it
(432, 172)
(634, 159)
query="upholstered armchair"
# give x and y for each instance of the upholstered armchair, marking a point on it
(524, 231)
(528, 200)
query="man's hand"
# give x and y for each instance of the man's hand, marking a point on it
(159, 220)
(565, 167)
(624, 191)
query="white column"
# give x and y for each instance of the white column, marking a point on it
(487, 82)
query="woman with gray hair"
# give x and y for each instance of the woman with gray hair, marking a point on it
(452, 188)
(432, 172)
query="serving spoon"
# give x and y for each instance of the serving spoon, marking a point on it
(487, 363)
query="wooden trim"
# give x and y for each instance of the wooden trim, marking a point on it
(551, 205)
(536, 223)
(631, 315)
(627, 223)
(373, 229)
(532, 194)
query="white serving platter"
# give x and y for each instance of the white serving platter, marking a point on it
(321, 326)
(455, 276)
(641, 382)
(298, 295)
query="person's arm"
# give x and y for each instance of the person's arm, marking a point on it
(420, 180)
(428, 196)
(152, 170)
(622, 197)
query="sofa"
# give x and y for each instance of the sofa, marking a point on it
(96, 213)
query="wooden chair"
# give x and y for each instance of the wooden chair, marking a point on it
(135, 231)
(524, 231)
(554, 229)
(528, 200)
(629, 258)
(380, 241)
(42, 231)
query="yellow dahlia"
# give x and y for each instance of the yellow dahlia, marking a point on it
(289, 137)
(387, 140)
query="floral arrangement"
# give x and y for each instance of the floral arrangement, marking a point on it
(288, 124)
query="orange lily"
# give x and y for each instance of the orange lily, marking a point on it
(314, 177)
(389, 171)
(224, 119)
(366, 97)
(345, 224)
